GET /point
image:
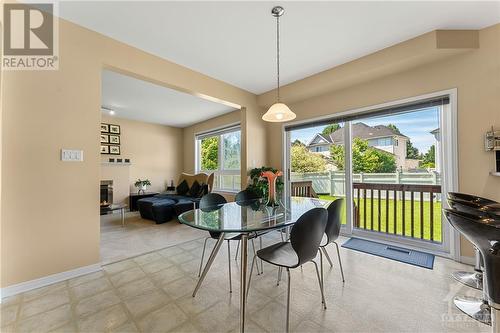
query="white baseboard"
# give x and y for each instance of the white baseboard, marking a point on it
(47, 280)
(468, 260)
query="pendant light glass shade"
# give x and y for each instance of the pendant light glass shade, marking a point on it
(278, 112)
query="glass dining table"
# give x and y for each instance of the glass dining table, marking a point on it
(246, 218)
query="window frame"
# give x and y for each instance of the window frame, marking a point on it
(220, 172)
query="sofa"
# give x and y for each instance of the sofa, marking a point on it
(165, 207)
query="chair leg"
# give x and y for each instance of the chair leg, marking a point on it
(250, 276)
(288, 302)
(203, 255)
(327, 256)
(320, 284)
(322, 275)
(229, 261)
(340, 261)
(255, 255)
(280, 270)
(237, 249)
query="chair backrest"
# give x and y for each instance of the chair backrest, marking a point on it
(307, 233)
(246, 196)
(303, 189)
(471, 198)
(211, 201)
(334, 223)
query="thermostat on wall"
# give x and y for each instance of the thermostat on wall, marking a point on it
(71, 155)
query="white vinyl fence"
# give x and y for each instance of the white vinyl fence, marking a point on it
(333, 182)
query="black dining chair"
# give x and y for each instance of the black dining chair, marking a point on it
(303, 247)
(332, 232)
(246, 197)
(210, 202)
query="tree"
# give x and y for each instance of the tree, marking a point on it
(304, 161)
(429, 159)
(364, 158)
(330, 129)
(412, 151)
(394, 128)
(209, 153)
(297, 142)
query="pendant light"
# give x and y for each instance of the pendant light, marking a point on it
(278, 112)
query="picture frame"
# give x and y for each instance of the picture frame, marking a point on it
(114, 150)
(104, 138)
(104, 149)
(104, 128)
(114, 129)
(114, 139)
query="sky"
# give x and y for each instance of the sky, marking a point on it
(416, 125)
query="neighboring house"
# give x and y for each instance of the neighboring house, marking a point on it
(320, 144)
(379, 136)
(437, 157)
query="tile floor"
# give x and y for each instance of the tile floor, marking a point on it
(152, 293)
(139, 236)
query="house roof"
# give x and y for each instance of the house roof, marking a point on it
(365, 132)
(326, 138)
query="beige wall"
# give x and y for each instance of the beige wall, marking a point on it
(475, 74)
(44, 111)
(155, 152)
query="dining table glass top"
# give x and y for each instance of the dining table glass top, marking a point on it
(250, 216)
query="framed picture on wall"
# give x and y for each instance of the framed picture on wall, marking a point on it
(104, 149)
(104, 128)
(114, 150)
(114, 139)
(115, 129)
(104, 138)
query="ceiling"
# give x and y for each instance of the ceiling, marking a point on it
(144, 101)
(235, 41)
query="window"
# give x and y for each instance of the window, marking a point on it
(380, 142)
(220, 152)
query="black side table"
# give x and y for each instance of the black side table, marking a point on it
(136, 196)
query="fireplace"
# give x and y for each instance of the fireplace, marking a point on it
(106, 192)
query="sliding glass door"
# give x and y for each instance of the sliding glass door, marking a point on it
(386, 165)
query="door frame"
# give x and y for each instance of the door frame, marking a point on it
(450, 247)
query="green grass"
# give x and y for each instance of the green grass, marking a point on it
(368, 224)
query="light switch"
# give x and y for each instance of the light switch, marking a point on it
(71, 155)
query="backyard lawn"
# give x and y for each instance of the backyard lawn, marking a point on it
(399, 220)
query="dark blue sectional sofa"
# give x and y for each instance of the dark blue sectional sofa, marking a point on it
(165, 207)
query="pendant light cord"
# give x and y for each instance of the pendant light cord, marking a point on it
(278, 53)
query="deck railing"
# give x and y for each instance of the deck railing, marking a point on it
(303, 189)
(401, 209)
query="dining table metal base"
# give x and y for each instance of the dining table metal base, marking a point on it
(243, 273)
(243, 281)
(211, 259)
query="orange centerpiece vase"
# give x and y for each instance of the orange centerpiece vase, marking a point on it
(271, 180)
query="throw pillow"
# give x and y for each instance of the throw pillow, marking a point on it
(203, 190)
(195, 189)
(182, 188)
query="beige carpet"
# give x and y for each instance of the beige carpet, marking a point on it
(140, 236)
